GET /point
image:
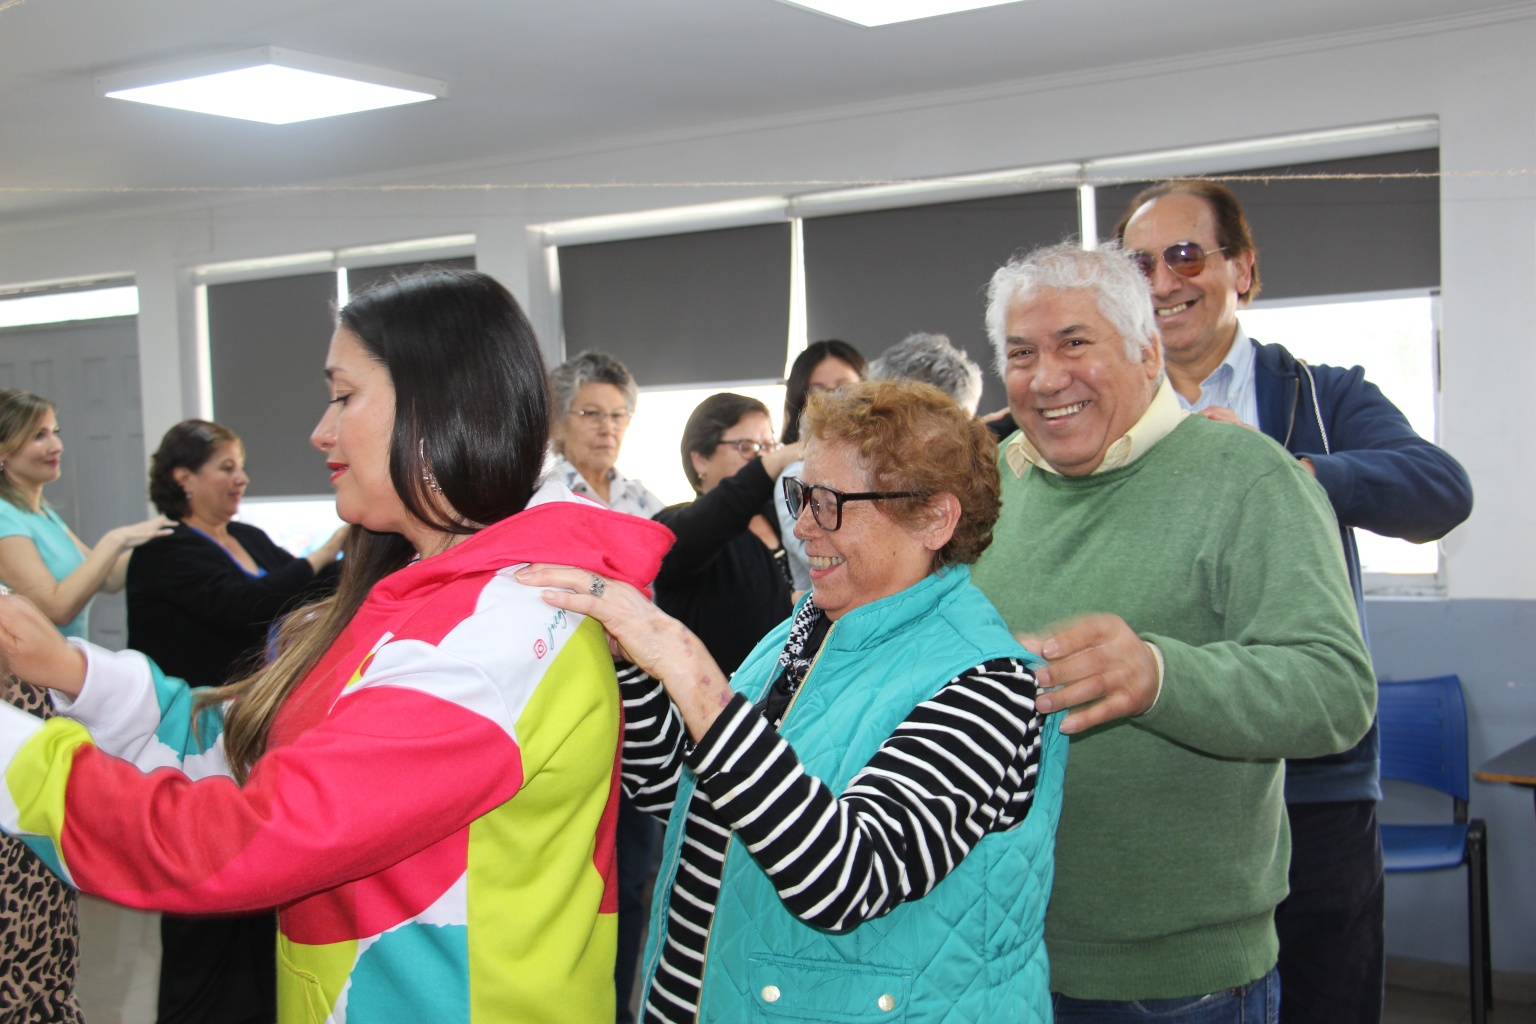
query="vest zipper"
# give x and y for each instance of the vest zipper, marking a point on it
(808, 672)
(709, 933)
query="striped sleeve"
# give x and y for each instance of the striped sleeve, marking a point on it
(654, 745)
(960, 766)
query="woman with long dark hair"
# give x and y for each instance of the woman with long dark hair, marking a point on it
(423, 778)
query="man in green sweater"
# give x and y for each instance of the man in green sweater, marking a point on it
(1186, 580)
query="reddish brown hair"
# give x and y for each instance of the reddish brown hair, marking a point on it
(914, 437)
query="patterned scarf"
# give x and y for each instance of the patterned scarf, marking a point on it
(806, 635)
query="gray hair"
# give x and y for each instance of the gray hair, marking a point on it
(567, 379)
(931, 359)
(1124, 298)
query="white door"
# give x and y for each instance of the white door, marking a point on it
(89, 369)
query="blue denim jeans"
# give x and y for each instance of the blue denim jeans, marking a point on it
(1257, 1002)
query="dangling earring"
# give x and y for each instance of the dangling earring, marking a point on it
(427, 476)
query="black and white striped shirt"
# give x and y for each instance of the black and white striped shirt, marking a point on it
(960, 766)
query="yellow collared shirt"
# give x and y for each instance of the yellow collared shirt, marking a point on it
(1155, 424)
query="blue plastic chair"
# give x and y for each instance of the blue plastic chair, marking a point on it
(1424, 741)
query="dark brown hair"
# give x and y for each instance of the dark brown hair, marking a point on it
(187, 445)
(799, 382)
(471, 414)
(708, 423)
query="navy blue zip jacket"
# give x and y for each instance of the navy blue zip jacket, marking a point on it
(1380, 476)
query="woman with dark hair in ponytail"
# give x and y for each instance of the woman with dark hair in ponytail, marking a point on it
(422, 779)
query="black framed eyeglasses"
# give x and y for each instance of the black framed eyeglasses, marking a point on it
(750, 449)
(1187, 259)
(826, 503)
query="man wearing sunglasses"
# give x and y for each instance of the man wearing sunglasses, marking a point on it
(1193, 243)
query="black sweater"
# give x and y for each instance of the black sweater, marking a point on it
(719, 580)
(198, 614)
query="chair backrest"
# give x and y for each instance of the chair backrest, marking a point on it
(1424, 734)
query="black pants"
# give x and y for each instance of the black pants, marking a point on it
(218, 970)
(1332, 955)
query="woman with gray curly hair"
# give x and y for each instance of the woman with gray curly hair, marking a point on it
(594, 403)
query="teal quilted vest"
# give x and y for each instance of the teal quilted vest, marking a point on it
(972, 950)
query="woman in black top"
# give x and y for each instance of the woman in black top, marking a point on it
(725, 578)
(201, 602)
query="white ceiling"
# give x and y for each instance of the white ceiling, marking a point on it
(528, 77)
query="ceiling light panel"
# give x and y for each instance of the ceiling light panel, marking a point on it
(270, 84)
(873, 13)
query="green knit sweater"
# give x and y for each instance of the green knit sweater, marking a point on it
(1173, 847)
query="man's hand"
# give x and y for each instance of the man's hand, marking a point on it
(1221, 414)
(1099, 664)
(33, 649)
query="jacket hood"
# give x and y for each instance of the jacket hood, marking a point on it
(1277, 359)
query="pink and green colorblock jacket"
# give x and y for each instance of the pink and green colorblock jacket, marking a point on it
(433, 817)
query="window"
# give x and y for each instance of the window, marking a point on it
(1394, 340)
(266, 344)
(299, 525)
(682, 309)
(651, 450)
(62, 306)
(873, 278)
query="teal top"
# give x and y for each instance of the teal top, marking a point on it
(970, 950)
(58, 550)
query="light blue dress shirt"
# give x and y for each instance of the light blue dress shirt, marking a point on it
(1231, 384)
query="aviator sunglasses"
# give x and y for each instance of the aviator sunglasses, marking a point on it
(1187, 259)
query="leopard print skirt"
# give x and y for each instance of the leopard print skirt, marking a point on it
(39, 925)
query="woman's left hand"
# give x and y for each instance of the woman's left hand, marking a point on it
(660, 645)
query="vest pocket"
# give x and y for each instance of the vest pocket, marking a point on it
(789, 988)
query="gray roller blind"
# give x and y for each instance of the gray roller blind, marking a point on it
(873, 278)
(682, 309)
(1338, 236)
(359, 278)
(267, 342)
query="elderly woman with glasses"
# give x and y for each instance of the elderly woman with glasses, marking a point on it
(861, 819)
(594, 402)
(726, 576)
